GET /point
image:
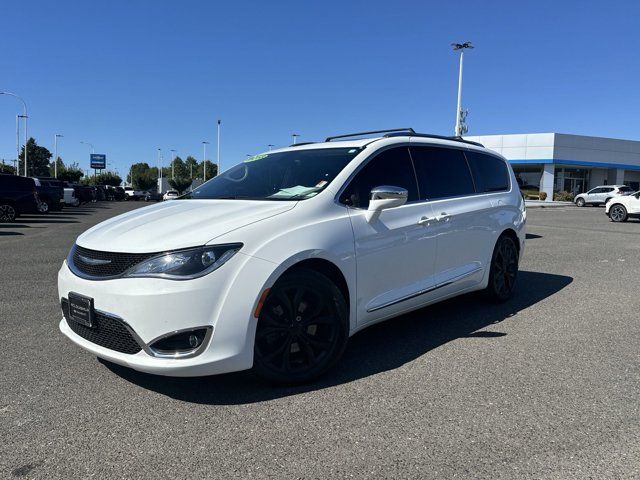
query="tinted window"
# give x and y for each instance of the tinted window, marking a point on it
(490, 173)
(626, 189)
(391, 167)
(442, 172)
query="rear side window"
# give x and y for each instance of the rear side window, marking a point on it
(442, 172)
(626, 189)
(391, 167)
(490, 173)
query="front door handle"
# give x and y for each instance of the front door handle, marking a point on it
(443, 217)
(424, 221)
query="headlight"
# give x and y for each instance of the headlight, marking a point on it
(185, 264)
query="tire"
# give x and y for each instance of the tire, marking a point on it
(302, 330)
(580, 202)
(75, 203)
(43, 207)
(617, 213)
(7, 213)
(504, 270)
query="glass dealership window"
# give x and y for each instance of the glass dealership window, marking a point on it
(528, 177)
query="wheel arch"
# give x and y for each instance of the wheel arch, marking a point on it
(511, 233)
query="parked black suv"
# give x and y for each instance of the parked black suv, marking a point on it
(51, 193)
(18, 195)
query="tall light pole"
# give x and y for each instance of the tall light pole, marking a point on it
(295, 137)
(173, 158)
(271, 145)
(55, 154)
(25, 116)
(204, 160)
(460, 126)
(218, 159)
(159, 170)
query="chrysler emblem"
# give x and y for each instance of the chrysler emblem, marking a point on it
(93, 261)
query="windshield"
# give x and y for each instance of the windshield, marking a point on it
(291, 175)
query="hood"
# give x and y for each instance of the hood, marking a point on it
(177, 224)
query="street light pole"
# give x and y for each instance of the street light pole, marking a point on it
(270, 146)
(204, 160)
(159, 170)
(55, 154)
(218, 159)
(295, 138)
(460, 128)
(173, 161)
(25, 116)
(95, 171)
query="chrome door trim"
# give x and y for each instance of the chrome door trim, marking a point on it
(422, 292)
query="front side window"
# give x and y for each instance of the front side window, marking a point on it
(391, 167)
(490, 173)
(290, 175)
(442, 172)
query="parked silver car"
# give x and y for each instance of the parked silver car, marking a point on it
(602, 194)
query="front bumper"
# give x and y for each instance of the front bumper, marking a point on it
(224, 300)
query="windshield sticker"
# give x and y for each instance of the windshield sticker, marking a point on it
(256, 157)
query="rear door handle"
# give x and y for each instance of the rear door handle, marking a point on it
(443, 217)
(425, 221)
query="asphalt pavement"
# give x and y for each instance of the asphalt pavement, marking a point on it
(546, 386)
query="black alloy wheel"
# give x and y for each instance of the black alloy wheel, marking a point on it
(302, 329)
(504, 269)
(617, 213)
(7, 213)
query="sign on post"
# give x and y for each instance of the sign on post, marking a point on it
(98, 161)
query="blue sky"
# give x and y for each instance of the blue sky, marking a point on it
(132, 76)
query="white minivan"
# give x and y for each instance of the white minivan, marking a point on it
(275, 263)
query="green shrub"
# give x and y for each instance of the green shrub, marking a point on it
(563, 196)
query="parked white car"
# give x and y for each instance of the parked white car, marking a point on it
(276, 262)
(170, 195)
(132, 194)
(70, 197)
(601, 195)
(620, 209)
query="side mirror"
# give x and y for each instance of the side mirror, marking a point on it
(385, 197)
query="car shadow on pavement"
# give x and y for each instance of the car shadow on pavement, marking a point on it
(380, 348)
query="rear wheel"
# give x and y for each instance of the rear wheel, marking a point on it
(580, 202)
(617, 213)
(43, 207)
(504, 270)
(302, 329)
(7, 213)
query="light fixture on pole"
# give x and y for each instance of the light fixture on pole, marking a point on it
(460, 128)
(295, 138)
(204, 160)
(270, 146)
(55, 154)
(173, 158)
(218, 157)
(159, 170)
(25, 116)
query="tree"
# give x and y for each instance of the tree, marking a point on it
(142, 177)
(212, 170)
(191, 165)
(180, 184)
(37, 159)
(109, 178)
(73, 173)
(4, 168)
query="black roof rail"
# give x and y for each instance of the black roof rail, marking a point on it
(411, 131)
(439, 137)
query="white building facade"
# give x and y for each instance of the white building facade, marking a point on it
(554, 162)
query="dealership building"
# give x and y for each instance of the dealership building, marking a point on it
(554, 162)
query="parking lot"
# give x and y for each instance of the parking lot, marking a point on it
(545, 386)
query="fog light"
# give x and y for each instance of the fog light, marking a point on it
(180, 344)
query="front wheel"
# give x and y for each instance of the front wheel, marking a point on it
(580, 202)
(302, 330)
(43, 207)
(617, 213)
(504, 270)
(7, 213)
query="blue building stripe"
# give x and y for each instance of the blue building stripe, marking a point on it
(577, 163)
